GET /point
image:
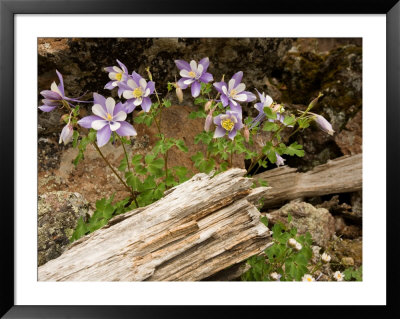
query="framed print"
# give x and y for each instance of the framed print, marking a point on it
(164, 155)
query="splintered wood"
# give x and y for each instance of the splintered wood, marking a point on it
(341, 175)
(199, 228)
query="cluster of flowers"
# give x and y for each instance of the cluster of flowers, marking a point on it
(109, 116)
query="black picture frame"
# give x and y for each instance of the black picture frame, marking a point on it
(8, 10)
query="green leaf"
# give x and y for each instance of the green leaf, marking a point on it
(133, 181)
(289, 120)
(155, 167)
(140, 169)
(181, 145)
(264, 220)
(272, 157)
(269, 113)
(295, 149)
(197, 157)
(123, 165)
(270, 127)
(136, 159)
(92, 135)
(166, 103)
(75, 137)
(79, 231)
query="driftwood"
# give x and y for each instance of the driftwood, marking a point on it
(199, 228)
(341, 175)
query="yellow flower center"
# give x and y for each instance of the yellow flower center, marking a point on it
(109, 117)
(192, 74)
(233, 93)
(309, 279)
(118, 76)
(137, 93)
(227, 124)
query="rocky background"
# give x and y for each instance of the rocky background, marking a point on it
(293, 71)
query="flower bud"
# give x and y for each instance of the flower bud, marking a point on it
(298, 246)
(66, 134)
(279, 160)
(246, 134)
(208, 122)
(292, 242)
(323, 124)
(275, 276)
(179, 93)
(207, 106)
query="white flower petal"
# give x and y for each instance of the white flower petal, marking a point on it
(55, 88)
(114, 126)
(200, 69)
(241, 97)
(121, 116)
(224, 89)
(189, 81)
(115, 83)
(110, 105)
(240, 88)
(132, 84)
(231, 84)
(98, 110)
(184, 74)
(193, 66)
(147, 92)
(143, 83)
(117, 69)
(268, 101)
(99, 124)
(138, 101)
(112, 75)
(128, 94)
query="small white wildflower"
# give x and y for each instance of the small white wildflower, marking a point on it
(298, 246)
(275, 276)
(338, 276)
(292, 242)
(307, 277)
(325, 258)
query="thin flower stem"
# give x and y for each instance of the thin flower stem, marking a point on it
(126, 154)
(116, 174)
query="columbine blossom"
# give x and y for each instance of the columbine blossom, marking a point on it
(338, 276)
(193, 74)
(109, 117)
(55, 96)
(67, 132)
(117, 75)
(266, 101)
(229, 123)
(323, 123)
(137, 91)
(279, 160)
(234, 92)
(308, 278)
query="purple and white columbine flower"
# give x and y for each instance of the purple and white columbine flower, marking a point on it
(109, 117)
(66, 134)
(55, 96)
(193, 74)
(234, 92)
(116, 75)
(229, 123)
(137, 91)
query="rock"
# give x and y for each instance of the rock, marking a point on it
(356, 203)
(344, 248)
(58, 213)
(306, 218)
(347, 261)
(349, 139)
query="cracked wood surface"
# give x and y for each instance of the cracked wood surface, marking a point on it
(199, 228)
(341, 175)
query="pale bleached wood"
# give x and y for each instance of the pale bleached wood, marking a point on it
(199, 228)
(341, 175)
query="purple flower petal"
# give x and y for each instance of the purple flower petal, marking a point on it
(182, 65)
(120, 91)
(47, 108)
(109, 69)
(205, 62)
(99, 99)
(219, 85)
(250, 96)
(47, 94)
(136, 77)
(224, 100)
(206, 77)
(118, 108)
(196, 89)
(129, 106)
(238, 78)
(259, 107)
(123, 67)
(103, 135)
(181, 83)
(61, 85)
(86, 122)
(126, 129)
(236, 108)
(109, 85)
(146, 104)
(217, 120)
(232, 134)
(151, 86)
(219, 132)
(52, 102)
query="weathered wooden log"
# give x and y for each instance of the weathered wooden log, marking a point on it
(341, 175)
(199, 228)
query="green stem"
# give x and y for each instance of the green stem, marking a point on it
(126, 154)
